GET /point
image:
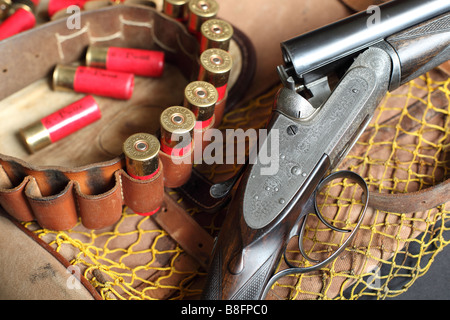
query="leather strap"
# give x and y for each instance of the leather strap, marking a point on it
(197, 191)
(185, 231)
(413, 201)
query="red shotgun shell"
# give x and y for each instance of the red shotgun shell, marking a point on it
(216, 33)
(147, 63)
(201, 97)
(113, 84)
(215, 68)
(5, 6)
(57, 5)
(20, 20)
(176, 9)
(199, 12)
(141, 152)
(61, 123)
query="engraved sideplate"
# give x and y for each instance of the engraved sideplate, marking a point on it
(302, 142)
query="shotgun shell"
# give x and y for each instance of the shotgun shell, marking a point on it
(147, 63)
(176, 9)
(215, 67)
(177, 127)
(55, 6)
(142, 161)
(113, 84)
(5, 6)
(199, 12)
(200, 97)
(148, 3)
(21, 17)
(141, 154)
(217, 34)
(60, 124)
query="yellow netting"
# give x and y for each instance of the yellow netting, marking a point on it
(404, 149)
(135, 259)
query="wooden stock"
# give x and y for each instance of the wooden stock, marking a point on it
(423, 47)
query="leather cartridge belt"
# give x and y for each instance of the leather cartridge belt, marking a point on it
(57, 196)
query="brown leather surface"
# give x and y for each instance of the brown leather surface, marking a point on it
(143, 195)
(412, 201)
(52, 195)
(185, 231)
(445, 67)
(178, 170)
(43, 272)
(60, 211)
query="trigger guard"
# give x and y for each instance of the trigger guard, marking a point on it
(344, 174)
(298, 270)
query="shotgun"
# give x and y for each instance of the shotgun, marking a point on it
(333, 79)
